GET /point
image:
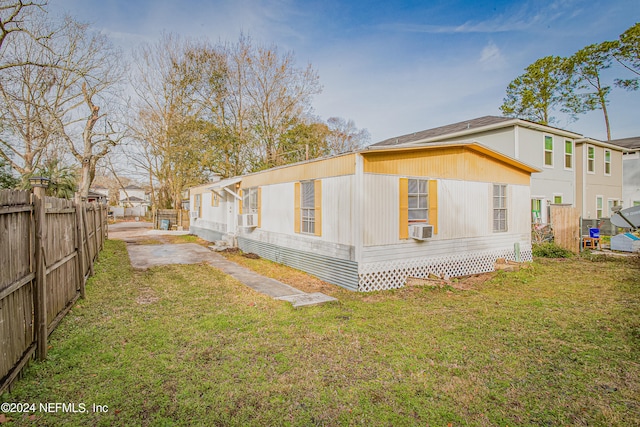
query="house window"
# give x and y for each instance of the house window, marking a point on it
(607, 162)
(548, 151)
(557, 199)
(215, 199)
(198, 202)
(591, 159)
(250, 200)
(307, 207)
(418, 201)
(499, 207)
(612, 203)
(568, 154)
(599, 203)
(536, 210)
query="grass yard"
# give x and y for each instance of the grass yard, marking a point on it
(554, 344)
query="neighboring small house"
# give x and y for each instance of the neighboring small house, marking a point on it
(546, 148)
(367, 220)
(98, 194)
(132, 196)
(598, 177)
(631, 170)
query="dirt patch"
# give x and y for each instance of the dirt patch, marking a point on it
(251, 255)
(147, 296)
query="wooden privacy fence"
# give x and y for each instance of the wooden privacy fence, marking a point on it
(47, 250)
(565, 221)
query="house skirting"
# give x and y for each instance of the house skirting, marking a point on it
(206, 233)
(376, 276)
(333, 270)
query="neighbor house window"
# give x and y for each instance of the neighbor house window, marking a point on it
(607, 162)
(499, 207)
(612, 203)
(250, 200)
(418, 201)
(591, 159)
(599, 203)
(536, 210)
(568, 154)
(548, 151)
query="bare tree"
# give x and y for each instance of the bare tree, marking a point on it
(170, 127)
(344, 136)
(20, 18)
(49, 101)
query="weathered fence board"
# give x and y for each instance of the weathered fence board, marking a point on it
(565, 221)
(47, 248)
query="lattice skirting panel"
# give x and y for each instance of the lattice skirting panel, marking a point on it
(393, 274)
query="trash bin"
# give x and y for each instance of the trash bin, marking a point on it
(594, 233)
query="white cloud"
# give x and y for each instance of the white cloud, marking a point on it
(491, 58)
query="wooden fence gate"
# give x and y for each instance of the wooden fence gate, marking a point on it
(565, 221)
(47, 250)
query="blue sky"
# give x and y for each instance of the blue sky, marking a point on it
(394, 67)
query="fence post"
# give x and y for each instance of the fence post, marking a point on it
(80, 246)
(40, 294)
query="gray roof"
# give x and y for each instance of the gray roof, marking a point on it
(444, 130)
(631, 143)
(431, 135)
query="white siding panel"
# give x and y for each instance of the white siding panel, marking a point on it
(337, 222)
(277, 208)
(380, 212)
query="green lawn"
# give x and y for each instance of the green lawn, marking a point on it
(554, 344)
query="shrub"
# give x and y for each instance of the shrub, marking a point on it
(550, 250)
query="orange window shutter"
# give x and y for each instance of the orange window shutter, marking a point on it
(259, 207)
(240, 202)
(296, 207)
(433, 204)
(403, 230)
(317, 194)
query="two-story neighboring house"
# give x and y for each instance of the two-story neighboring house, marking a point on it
(631, 170)
(549, 149)
(132, 196)
(598, 177)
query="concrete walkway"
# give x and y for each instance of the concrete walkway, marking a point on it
(146, 256)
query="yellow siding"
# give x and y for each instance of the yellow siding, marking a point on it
(403, 230)
(335, 166)
(317, 190)
(296, 207)
(446, 162)
(433, 205)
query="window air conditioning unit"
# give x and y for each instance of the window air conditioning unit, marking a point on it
(248, 220)
(421, 231)
(193, 214)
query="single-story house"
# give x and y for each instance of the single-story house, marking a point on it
(369, 219)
